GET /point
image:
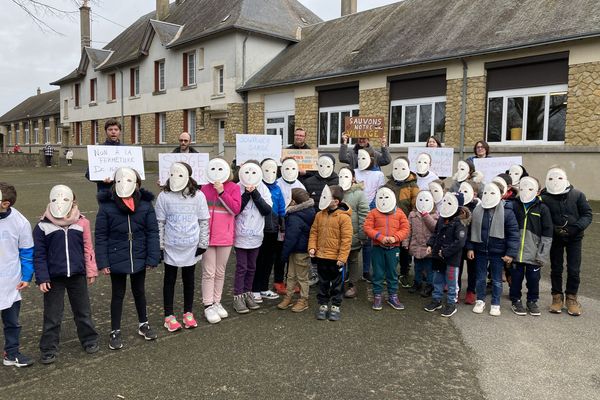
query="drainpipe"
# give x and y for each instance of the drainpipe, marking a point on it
(122, 138)
(245, 97)
(245, 94)
(463, 109)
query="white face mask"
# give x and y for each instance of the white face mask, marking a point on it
(178, 177)
(289, 170)
(436, 191)
(345, 178)
(325, 166)
(423, 163)
(491, 196)
(528, 189)
(218, 170)
(326, 198)
(449, 205)
(125, 182)
(467, 190)
(462, 172)
(364, 159)
(385, 200)
(269, 171)
(501, 183)
(61, 201)
(250, 174)
(556, 181)
(401, 170)
(424, 202)
(515, 172)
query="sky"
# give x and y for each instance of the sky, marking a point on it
(32, 58)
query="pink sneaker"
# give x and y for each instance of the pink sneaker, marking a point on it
(189, 321)
(171, 324)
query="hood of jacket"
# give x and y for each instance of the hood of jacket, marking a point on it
(463, 215)
(310, 203)
(342, 208)
(411, 178)
(355, 187)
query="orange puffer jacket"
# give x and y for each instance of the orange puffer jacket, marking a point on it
(378, 225)
(331, 234)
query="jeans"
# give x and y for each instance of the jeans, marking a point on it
(245, 267)
(423, 265)
(267, 257)
(532, 273)
(496, 268)
(119, 284)
(331, 282)
(573, 249)
(445, 277)
(12, 329)
(384, 265)
(187, 278)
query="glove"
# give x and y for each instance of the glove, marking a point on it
(572, 230)
(562, 232)
(199, 251)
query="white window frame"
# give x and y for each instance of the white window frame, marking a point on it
(17, 134)
(162, 128)
(161, 75)
(36, 132)
(329, 111)
(281, 128)
(525, 93)
(10, 136)
(58, 134)
(191, 68)
(46, 131)
(417, 102)
(219, 80)
(26, 128)
(137, 129)
(95, 130)
(191, 123)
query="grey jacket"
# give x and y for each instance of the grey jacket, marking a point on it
(356, 199)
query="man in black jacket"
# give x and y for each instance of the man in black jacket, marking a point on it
(184, 144)
(112, 128)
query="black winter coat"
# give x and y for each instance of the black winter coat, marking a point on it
(314, 185)
(449, 238)
(571, 213)
(298, 221)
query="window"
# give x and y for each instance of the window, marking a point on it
(219, 80)
(331, 123)
(66, 109)
(76, 94)
(78, 133)
(191, 124)
(36, 132)
(413, 121)
(46, 130)
(26, 131)
(112, 87)
(17, 133)
(161, 128)
(94, 138)
(189, 68)
(159, 76)
(93, 93)
(10, 140)
(134, 81)
(200, 61)
(281, 124)
(58, 133)
(135, 129)
(528, 115)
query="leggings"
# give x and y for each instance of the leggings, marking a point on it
(119, 284)
(213, 273)
(187, 277)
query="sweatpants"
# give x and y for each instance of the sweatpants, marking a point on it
(573, 249)
(12, 329)
(384, 262)
(119, 284)
(214, 261)
(298, 270)
(245, 266)
(532, 273)
(187, 278)
(331, 282)
(267, 257)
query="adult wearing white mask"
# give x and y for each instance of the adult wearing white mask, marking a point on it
(423, 170)
(325, 175)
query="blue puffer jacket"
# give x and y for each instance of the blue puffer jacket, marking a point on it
(298, 221)
(273, 221)
(126, 241)
(508, 246)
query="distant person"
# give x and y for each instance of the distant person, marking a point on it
(300, 144)
(184, 144)
(69, 157)
(351, 156)
(433, 141)
(17, 148)
(112, 128)
(480, 150)
(48, 153)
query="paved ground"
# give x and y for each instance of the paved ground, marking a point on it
(273, 354)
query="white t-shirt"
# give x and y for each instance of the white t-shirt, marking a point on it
(286, 189)
(249, 223)
(424, 181)
(182, 231)
(15, 234)
(372, 180)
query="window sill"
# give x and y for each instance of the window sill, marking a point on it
(93, 104)
(159, 92)
(111, 101)
(188, 87)
(134, 97)
(217, 96)
(77, 107)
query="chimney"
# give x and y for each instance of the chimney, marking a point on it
(39, 91)
(84, 16)
(348, 7)
(162, 9)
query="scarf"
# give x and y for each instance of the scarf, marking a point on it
(496, 227)
(69, 219)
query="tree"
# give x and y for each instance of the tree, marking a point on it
(39, 11)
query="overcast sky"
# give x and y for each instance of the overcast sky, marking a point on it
(32, 58)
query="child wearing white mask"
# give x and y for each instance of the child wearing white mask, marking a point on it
(424, 173)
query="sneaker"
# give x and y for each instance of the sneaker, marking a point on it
(115, 342)
(495, 310)
(367, 277)
(416, 287)
(171, 323)
(573, 306)
(313, 277)
(350, 293)
(434, 305)
(322, 312)
(147, 332)
(301, 305)
(377, 302)
(221, 310)
(479, 307)
(239, 304)
(91, 348)
(517, 307)
(280, 288)
(334, 314)
(47, 358)
(427, 290)
(189, 322)
(269, 295)
(404, 282)
(557, 303)
(394, 302)
(18, 360)
(211, 314)
(257, 297)
(449, 310)
(285, 303)
(533, 308)
(250, 303)
(470, 298)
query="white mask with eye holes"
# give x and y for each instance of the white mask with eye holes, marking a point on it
(449, 205)
(556, 181)
(326, 198)
(218, 170)
(289, 170)
(61, 201)
(501, 183)
(423, 163)
(400, 170)
(385, 200)
(364, 159)
(178, 177)
(467, 190)
(250, 174)
(325, 166)
(491, 196)
(462, 172)
(345, 178)
(125, 182)
(515, 172)
(436, 191)
(269, 171)
(424, 202)
(528, 189)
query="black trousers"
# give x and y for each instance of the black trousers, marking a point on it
(119, 284)
(48, 160)
(54, 305)
(557, 256)
(267, 257)
(405, 259)
(471, 272)
(279, 274)
(331, 282)
(187, 278)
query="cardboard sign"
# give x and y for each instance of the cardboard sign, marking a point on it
(442, 159)
(492, 166)
(307, 159)
(257, 147)
(198, 162)
(103, 161)
(364, 127)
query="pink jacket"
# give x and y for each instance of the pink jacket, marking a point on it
(223, 210)
(88, 248)
(421, 229)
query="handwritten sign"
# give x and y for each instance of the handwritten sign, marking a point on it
(442, 159)
(307, 159)
(492, 166)
(103, 161)
(198, 162)
(257, 147)
(364, 127)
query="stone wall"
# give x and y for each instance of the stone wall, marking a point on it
(453, 109)
(583, 107)
(256, 118)
(235, 121)
(307, 117)
(475, 111)
(208, 129)
(174, 126)
(373, 103)
(148, 132)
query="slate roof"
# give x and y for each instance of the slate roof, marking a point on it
(419, 31)
(41, 105)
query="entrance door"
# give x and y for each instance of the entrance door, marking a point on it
(221, 136)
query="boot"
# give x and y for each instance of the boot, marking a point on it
(285, 303)
(557, 303)
(573, 306)
(301, 305)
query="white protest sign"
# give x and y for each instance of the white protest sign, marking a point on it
(103, 161)
(442, 159)
(492, 166)
(257, 147)
(198, 162)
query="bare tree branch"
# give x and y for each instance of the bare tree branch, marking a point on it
(39, 11)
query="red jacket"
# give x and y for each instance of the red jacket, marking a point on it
(378, 225)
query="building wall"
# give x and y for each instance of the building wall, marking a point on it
(256, 117)
(307, 117)
(583, 107)
(375, 102)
